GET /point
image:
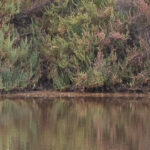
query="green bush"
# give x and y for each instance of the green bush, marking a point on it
(18, 63)
(72, 45)
(76, 44)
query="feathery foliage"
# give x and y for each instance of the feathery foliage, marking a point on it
(76, 45)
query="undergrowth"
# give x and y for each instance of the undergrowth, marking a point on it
(76, 45)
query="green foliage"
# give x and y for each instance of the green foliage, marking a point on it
(18, 63)
(71, 46)
(83, 44)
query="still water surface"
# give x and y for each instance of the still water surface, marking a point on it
(74, 124)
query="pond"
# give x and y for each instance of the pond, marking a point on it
(74, 124)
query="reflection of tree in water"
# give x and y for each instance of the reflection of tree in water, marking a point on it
(73, 124)
(99, 126)
(18, 124)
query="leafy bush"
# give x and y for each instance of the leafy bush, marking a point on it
(83, 44)
(71, 46)
(18, 63)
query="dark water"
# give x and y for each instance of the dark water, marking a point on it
(78, 124)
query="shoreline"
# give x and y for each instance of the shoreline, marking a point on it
(47, 94)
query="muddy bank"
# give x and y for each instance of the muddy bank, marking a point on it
(52, 94)
(116, 91)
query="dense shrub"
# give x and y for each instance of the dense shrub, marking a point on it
(83, 45)
(19, 58)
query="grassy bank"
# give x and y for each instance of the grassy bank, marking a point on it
(76, 45)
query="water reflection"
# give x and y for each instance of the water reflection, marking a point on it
(73, 125)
